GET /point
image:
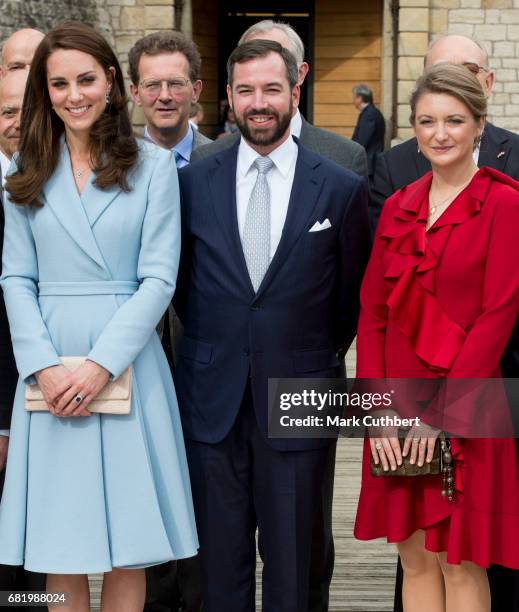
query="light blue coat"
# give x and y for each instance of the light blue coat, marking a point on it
(92, 275)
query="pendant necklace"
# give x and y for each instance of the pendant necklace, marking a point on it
(435, 207)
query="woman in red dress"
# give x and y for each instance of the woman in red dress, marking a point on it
(439, 299)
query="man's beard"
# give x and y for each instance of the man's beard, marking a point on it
(264, 137)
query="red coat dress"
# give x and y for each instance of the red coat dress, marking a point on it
(443, 303)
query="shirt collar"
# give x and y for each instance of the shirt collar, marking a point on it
(283, 156)
(296, 124)
(184, 148)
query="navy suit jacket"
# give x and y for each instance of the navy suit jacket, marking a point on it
(305, 311)
(369, 132)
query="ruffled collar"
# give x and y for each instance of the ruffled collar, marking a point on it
(405, 234)
(413, 255)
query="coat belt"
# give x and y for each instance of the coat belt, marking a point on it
(88, 288)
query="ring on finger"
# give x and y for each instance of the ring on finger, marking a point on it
(378, 446)
(78, 399)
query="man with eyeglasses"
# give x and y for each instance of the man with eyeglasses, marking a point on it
(405, 164)
(164, 69)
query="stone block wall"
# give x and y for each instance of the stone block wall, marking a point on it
(494, 23)
(43, 14)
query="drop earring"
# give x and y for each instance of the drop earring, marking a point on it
(107, 97)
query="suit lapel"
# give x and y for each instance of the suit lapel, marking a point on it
(493, 151)
(61, 195)
(303, 200)
(222, 185)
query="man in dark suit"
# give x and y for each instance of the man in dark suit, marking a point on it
(349, 155)
(371, 127)
(12, 88)
(275, 240)
(164, 69)
(404, 164)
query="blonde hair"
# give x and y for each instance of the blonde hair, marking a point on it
(453, 80)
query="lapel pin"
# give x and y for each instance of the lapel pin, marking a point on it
(500, 154)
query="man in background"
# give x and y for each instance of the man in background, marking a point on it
(164, 69)
(404, 164)
(371, 127)
(18, 50)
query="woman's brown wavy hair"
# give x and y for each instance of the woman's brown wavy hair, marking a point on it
(114, 149)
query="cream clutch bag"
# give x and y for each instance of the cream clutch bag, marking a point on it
(114, 398)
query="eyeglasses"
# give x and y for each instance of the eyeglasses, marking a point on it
(474, 68)
(153, 87)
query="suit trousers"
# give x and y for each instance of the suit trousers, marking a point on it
(323, 548)
(241, 484)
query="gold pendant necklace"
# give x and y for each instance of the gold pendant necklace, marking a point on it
(448, 199)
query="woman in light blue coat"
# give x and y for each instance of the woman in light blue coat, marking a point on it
(92, 240)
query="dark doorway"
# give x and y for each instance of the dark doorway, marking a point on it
(235, 16)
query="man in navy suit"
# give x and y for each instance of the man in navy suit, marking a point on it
(275, 241)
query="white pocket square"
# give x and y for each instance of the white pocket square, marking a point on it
(318, 227)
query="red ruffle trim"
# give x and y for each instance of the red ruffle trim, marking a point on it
(415, 254)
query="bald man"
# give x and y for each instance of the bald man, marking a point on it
(404, 164)
(12, 88)
(18, 50)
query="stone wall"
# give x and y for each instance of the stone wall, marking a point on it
(122, 22)
(43, 14)
(494, 23)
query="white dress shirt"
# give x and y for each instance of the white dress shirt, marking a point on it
(5, 162)
(280, 179)
(296, 124)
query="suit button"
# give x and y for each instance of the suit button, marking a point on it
(255, 307)
(246, 352)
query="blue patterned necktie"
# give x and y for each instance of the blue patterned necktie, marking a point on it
(256, 231)
(177, 157)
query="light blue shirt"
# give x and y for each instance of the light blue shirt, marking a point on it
(182, 150)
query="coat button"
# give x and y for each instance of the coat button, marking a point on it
(246, 352)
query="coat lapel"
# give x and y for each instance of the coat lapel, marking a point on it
(96, 201)
(303, 200)
(61, 195)
(222, 185)
(494, 150)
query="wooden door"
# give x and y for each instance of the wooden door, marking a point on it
(348, 49)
